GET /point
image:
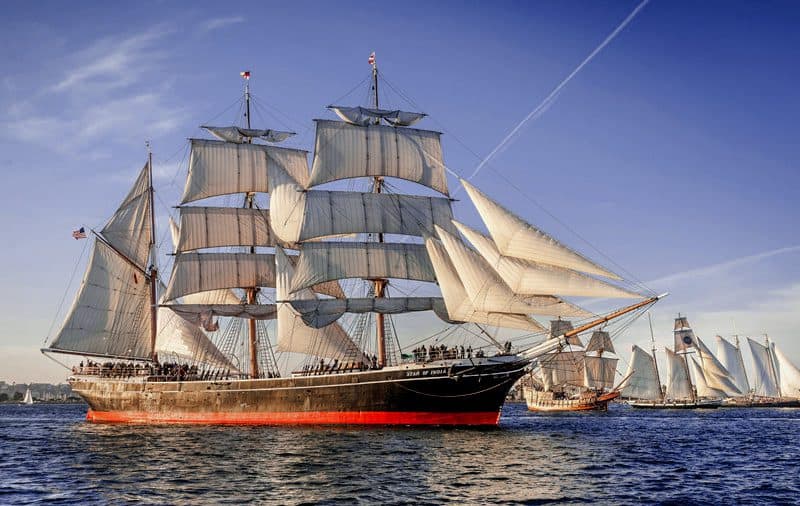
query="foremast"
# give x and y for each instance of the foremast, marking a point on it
(251, 292)
(153, 269)
(655, 360)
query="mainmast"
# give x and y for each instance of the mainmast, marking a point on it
(380, 284)
(153, 270)
(251, 292)
(655, 360)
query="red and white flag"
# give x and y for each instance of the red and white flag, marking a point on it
(79, 234)
(245, 74)
(371, 59)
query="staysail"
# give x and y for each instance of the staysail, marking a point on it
(643, 378)
(731, 357)
(789, 374)
(678, 385)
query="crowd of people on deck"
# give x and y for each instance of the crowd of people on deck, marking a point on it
(168, 371)
(442, 352)
(336, 366)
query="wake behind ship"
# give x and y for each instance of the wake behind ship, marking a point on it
(328, 268)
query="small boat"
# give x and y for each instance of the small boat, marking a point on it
(28, 397)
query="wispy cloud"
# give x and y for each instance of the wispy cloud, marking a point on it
(722, 267)
(102, 93)
(217, 23)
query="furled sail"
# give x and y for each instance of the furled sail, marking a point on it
(642, 376)
(198, 313)
(600, 341)
(789, 374)
(315, 213)
(731, 357)
(294, 335)
(515, 237)
(363, 116)
(716, 376)
(111, 312)
(488, 291)
(704, 389)
(130, 228)
(212, 227)
(241, 135)
(200, 272)
(345, 151)
(766, 381)
(599, 372)
(458, 304)
(221, 168)
(326, 261)
(318, 313)
(678, 385)
(530, 278)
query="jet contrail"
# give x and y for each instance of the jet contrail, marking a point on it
(551, 97)
(721, 267)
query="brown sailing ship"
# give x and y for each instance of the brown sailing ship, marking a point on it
(165, 361)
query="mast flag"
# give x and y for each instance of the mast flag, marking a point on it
(79, 234)
(245, 74)
(371, 59)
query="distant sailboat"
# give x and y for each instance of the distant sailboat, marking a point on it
(777, 380)
(710, 376)
(28, 397)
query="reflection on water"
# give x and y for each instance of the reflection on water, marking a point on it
(49, 453)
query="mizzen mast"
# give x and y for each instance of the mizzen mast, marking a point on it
(153, 271)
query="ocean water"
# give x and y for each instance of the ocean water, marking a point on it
(48, 454)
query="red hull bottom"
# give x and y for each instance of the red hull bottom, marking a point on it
(300, 418)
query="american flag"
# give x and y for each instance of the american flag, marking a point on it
(371, 59)
(79, 234)
(245, 74)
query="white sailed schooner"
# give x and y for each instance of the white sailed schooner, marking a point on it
(168, 359)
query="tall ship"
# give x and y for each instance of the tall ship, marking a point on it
(576, 378)
(283, 314)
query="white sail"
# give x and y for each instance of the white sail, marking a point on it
(111, 312)
(642, 376)
(458, 304)
(488, 291)
(564, 368)
(200, 272)
(212, 227)
(345, 151)
(765, 382)
(678, 384)
(515, 237)
(683, 335)
(363, 116)
(130, 228)
(716, 375)
(221, 168)
(318, 313)
(731, 358)
(702, 384)
(294, 335)
(326, 261)
(179, 339)
(600, 341)
(789, 374)
(531, 278)
(240, 135)
(599, 372)
(28, 399)
(174, 232)
(331, 213)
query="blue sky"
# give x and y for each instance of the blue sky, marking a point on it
(674, 151)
